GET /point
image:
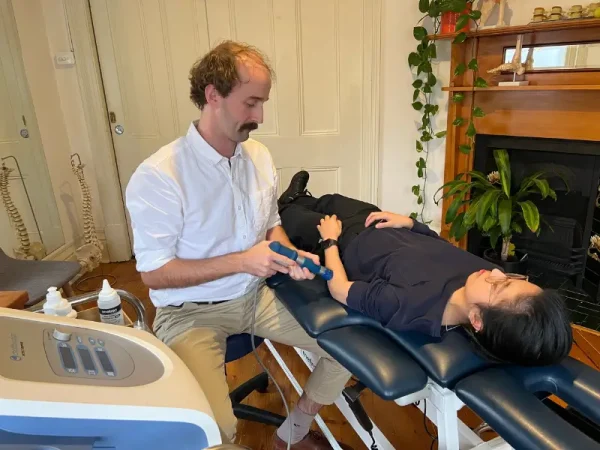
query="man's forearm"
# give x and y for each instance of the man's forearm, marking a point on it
(277, 233)
(339, 286)
(180, 273)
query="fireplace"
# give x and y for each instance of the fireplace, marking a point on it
(558, 258)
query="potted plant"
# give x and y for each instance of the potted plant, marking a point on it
(496, 209)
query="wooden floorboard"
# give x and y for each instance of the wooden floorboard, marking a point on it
(404, 427)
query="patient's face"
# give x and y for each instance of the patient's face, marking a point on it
(242, 110)
(493, 287)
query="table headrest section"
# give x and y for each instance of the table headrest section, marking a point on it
(375, 360)
(517, 414)
(312, 306)
(447, 359)
(572, 381)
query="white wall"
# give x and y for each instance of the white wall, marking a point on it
(399, 127)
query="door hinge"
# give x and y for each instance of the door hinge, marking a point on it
(112, 117)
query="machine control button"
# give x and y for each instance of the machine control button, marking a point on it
(61, 335)
(100, 342)
(92, 341)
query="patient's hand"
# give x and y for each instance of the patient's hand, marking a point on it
(330, 227)
(389, 220)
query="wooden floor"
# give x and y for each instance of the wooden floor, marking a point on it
(404, 427)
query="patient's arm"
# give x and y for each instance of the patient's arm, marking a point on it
(339, 284)
(393, 220)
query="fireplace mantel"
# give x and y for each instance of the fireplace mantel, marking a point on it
(558, 104)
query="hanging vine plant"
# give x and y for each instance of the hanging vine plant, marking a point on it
(425, 81)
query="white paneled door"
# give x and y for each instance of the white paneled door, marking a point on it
(322, 113)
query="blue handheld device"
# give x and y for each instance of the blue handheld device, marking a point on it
(324, 272)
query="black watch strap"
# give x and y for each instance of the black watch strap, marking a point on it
(328, 243)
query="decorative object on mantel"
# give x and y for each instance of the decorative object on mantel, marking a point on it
(423, 100)
(495, 210)
(89, 255)
(594, 247)
(515, 66)
(575, 12)
(26, 249)
(487, 6)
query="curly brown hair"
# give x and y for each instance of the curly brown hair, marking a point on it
(219, 68)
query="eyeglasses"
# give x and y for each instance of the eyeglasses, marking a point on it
(503, 279)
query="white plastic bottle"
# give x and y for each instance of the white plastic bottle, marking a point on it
(109, 305)
(56, 305)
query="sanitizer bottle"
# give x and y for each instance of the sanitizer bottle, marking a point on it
(109, 305)
(56, 305)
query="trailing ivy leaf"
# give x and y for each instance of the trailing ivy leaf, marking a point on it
(455, 5)
(417, 84)
(421, 163)
(471, 131)
(427, 89)
(462, 21)
(423, 6)
(416, 95)
(440, 134)
(431, 80)
(475, 14)
(418, 106)
(426, 137)
(425, 66)
(419, 33)
(478, 112)
(436, 109)
(416, 189)
(473, 64)
(432, 51)
(458, 122)
(420, 173)
(460, 38)
(419, 146)
(420, 200)
(413, 215)
(429, 108)
(480, 83)
(458, 97)
(414, 59)
(460, 69)
(466, 149)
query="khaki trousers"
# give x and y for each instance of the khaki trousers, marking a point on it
(198, 333)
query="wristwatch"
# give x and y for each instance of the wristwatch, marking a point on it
(328, 243)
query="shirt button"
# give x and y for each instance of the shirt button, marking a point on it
(244, 236)
(239, 207)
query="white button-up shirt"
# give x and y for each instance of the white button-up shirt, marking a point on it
(187, 201)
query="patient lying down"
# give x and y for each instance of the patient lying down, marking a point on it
(403, 274)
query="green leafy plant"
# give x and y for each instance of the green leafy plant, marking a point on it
(492, 206)
(421, 60)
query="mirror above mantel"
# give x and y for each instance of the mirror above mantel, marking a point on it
(558, 57)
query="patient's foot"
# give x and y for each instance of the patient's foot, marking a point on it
(313, 441)
(296, 188)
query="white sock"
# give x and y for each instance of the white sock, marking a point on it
(300, 423)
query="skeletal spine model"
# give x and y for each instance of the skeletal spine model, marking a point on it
(25, 250)
(89, 255)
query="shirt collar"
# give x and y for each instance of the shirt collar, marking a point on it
(204, 149)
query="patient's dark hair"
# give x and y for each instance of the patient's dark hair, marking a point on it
(219, 68)
(533, 331)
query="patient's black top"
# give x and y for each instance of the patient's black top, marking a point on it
(404, 278)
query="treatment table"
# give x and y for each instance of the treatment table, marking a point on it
(441, 375)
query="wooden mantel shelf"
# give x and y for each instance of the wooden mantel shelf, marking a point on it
(524, 29)
(558, 87)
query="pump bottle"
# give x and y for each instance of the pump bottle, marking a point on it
(56, 305)
(110, 306)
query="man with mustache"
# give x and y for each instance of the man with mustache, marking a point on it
(203, 210)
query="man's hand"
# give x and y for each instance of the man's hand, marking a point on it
(390, 220)
(302, 273)
(261, 261)
(330, 227)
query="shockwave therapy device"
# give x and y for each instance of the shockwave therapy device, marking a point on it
(70, 384)
(323, 272)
